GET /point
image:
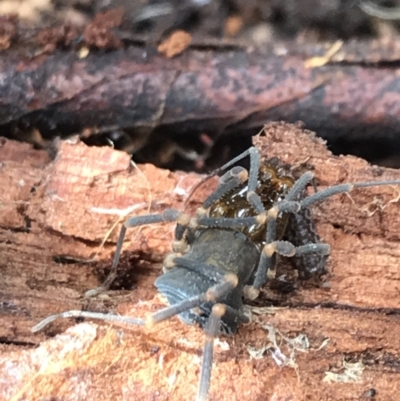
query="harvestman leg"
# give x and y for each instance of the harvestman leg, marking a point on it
(169, 215)
(230, 180)
(290, 205)
(225, 284)
(254, 155)
(253, 198)
(375, 10)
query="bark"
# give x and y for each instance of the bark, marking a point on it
(213, 89)
(54, 215)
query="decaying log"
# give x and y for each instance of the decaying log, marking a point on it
(351, 94)
(61, 211)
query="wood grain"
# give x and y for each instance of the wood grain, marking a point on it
(59, 209)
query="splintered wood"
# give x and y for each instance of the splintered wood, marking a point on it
(330, 342)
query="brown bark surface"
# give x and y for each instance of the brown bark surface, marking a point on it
(213, 89)
(54, 215)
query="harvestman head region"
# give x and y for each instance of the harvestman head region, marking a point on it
(227, 251)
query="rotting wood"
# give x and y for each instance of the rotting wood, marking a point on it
(354, 320)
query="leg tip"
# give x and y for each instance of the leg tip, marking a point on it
(94, 292)
(250, 293)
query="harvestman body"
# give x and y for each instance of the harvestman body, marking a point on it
(214, 264)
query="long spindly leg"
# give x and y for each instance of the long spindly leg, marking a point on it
(312, 263)
(308, 177)
(230, 180)
(109, 317)
(269, 216)
(342, 188)
(266, 264)
(291, 204)
(249, 152)
(254, 165)
(267, 261)
(226, 284)
(375, 10)
(233, 178)
(213, 294)
(169, 215)
(252, 197)
(301, 230)
(211, 331)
